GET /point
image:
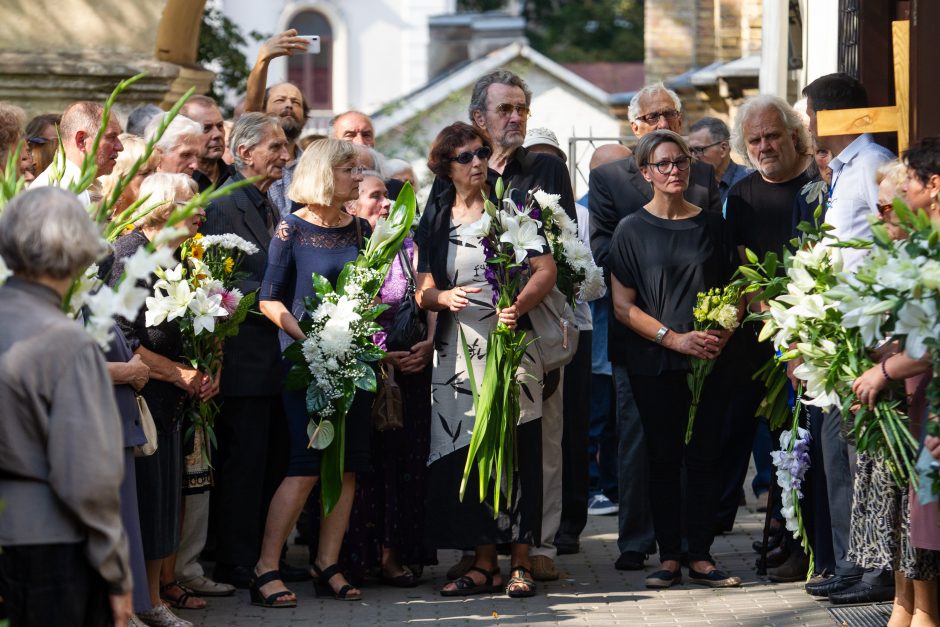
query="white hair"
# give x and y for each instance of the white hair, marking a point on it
(633, 112)
(790, 118)
(396, 166)
(248, 131)
(45, 232)
(179, 130)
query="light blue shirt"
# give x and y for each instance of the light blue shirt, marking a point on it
(854, 193)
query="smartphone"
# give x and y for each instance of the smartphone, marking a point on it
(314, 40)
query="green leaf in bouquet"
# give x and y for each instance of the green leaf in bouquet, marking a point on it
(371, 354)
(316, 400)
(298, 377)
(321, 285)
(375, 311)
(750, 274)
(306, 325)
(321, 435)
(771, 263)
(365, 379)
(499, 188)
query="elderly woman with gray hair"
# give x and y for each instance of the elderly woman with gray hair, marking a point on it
(64, 557)
(159, 476)
(179, 146)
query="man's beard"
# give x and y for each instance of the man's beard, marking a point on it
(291, 127)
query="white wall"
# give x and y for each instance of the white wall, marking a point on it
(820, 38)
(380, 46)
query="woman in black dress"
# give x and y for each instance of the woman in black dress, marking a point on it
(159, 476)
(661, 257)
(319, 237)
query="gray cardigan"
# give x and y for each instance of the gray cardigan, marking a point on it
(61, 447)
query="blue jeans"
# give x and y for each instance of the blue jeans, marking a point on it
(602, 442)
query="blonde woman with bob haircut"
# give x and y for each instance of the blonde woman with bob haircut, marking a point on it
(319, 237)
(133, 150)
(160, 476)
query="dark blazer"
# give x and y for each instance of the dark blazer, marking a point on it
(617, 189)
(251, 361)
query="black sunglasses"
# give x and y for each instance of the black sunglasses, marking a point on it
(482, 153)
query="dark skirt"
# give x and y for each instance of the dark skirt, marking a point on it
(131, 519)
(305, 462)
(159, 495)
(389, 504)
(456, 524)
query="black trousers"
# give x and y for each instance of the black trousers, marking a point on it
(740, 424)
(574, 442)
(250, 464)
(663, 401)
(52, 585)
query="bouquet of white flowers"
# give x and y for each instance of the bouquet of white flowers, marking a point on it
(337, 355)
(579, 278)
(715, 309)
(200, 292)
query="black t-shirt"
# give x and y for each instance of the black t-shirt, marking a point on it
(667, 262)
(761, 214)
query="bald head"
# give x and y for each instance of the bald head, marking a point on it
(355, 127)
(609, 152)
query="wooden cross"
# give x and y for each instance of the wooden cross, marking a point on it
(879, 119)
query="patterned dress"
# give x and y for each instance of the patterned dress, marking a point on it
(463, 524)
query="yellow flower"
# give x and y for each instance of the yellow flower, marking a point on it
(128, 229)
(197, 250)
(229, 265)
(197, 236)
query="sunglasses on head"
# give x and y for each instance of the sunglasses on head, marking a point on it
(482, 153)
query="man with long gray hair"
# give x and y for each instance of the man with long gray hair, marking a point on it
(251, 428)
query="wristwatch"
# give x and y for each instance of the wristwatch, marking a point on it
(661, 334)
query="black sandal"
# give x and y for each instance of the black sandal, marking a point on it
(407, 579)
(178, 602)
(525, 579)
(323, 589)
(465, 585)
(273, 599)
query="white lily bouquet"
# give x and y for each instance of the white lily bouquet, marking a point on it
(715, 309)
(337, 355)
(200, 291)
(506, 232)
(579, 278)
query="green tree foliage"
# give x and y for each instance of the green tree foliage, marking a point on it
(221, 43)
(571, 31)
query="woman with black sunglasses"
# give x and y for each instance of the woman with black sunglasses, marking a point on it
(661, 257)
(451, 279)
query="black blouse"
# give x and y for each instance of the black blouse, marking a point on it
(667, 262)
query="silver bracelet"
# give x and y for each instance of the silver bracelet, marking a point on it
(661, 334)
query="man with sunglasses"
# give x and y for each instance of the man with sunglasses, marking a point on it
(211, 169)
(618, 189)
(710, 142)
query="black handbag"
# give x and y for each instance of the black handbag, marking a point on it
(409, 325)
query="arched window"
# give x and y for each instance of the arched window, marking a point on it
(313, 73)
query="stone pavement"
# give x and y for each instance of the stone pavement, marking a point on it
(591, 592)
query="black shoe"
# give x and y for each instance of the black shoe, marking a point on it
(773, 541)
(238, 576)
(832, 585)
(292, 574)
(794, 569)
(863, 592)
(566, 545)
(630, 560)
(778, 556)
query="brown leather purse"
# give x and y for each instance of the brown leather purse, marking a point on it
(387, 409)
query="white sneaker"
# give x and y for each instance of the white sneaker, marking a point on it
(600, 505)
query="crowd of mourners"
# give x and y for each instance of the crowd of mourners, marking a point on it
(128, 536)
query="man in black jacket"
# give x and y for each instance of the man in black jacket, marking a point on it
(618, 189)
(251, 427)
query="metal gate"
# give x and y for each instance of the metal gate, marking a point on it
(580, 151)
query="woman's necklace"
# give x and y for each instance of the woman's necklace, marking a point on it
(319, 220)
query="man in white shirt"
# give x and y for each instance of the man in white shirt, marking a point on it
(853, 196)
(853, 192)
(80, 123)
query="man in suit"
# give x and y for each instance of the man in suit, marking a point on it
(251, 427)
(618, 189)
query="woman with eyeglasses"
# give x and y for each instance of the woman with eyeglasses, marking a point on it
(890, 527)
(452, 280)
(319, 237)
(661, 257)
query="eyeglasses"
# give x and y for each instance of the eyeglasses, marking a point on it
(653, 118)
(355, 170)
(482, 153)
(665, 167)
(505, 110)
(220, 125)
(698, 151)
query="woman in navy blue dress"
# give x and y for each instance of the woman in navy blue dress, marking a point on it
(320, 237)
